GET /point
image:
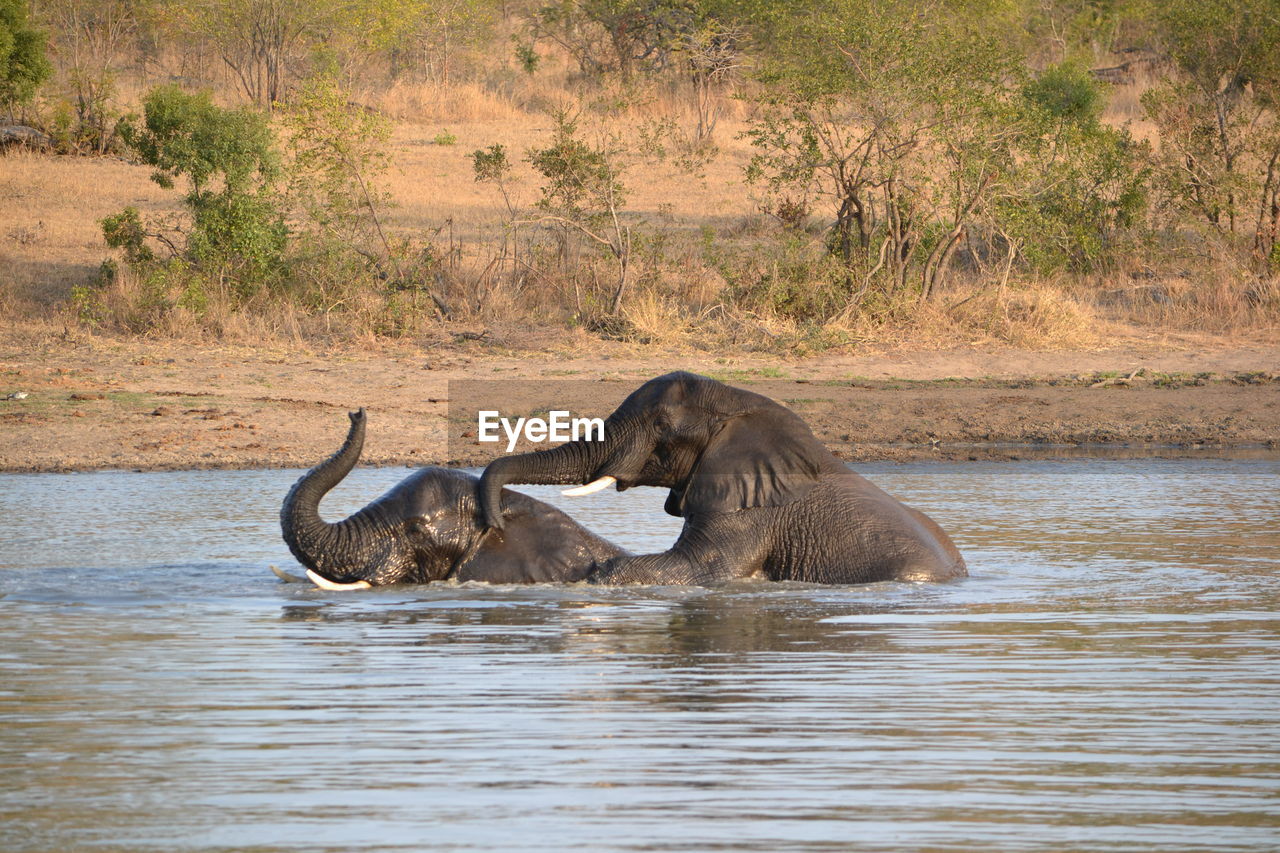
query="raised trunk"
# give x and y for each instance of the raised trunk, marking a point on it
(572, 462)
(316, 543)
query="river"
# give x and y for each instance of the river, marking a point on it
(1108, 679)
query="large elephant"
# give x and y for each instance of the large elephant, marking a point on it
(760, 495)
(427, 528)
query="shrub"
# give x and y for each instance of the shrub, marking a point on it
(228, 159)
(1219, 123)
(1078, 187)
(23, 66)
(290, 228)
(891, 125)
(125, 231)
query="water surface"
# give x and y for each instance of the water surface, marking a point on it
(1107, 679)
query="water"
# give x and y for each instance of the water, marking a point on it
(1108, 679)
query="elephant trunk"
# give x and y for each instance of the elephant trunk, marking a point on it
(317, 544)
(571, 462)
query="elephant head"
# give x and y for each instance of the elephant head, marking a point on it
(717, 448)
(427, 528)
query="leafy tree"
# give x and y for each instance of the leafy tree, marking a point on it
(91, 37)
(714, 53)
(23, 66)
(435, 38)
(582, 180)
(228, 159)
(1220, 123)
(1058, 31)
(583, 194)
(492, 166)
(126, 230)
(894, 118)
(1077, 185)
(1066, 95)
(263, 42)
(616, 35)
(337, 157)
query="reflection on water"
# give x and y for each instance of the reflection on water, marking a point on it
(1108, 679)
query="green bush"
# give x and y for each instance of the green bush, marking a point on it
(23, 66)
(125, 231)
(1066, 93)
(1079, 188)
(885, 122)
(295, 226)
(228, 159)
(1219, 123)
(582, 180)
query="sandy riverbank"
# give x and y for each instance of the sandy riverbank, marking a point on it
(97, 402)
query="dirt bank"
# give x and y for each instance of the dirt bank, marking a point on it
(94, 402)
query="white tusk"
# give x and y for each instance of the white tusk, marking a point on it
(285, 576)
(325, 583)
(590, 488)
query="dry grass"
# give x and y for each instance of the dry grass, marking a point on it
(50, 208)
(462, 102)
(1220, 302)
(51, 243)
(1038, 316)
(432, 183)
(657, 319)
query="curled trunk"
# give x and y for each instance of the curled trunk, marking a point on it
(316, 543)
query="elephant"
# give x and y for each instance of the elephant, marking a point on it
(759, 494)
(426, 528)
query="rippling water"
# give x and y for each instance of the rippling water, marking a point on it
(1108, 679)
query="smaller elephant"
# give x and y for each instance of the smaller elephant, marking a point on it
(427, 528)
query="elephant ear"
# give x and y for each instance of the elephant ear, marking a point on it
(766, 457)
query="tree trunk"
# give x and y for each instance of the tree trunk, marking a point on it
(1264, 239)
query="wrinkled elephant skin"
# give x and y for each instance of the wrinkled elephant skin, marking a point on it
(427, 528)
(760, 495)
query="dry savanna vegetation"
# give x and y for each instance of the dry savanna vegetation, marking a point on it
(735, 174)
